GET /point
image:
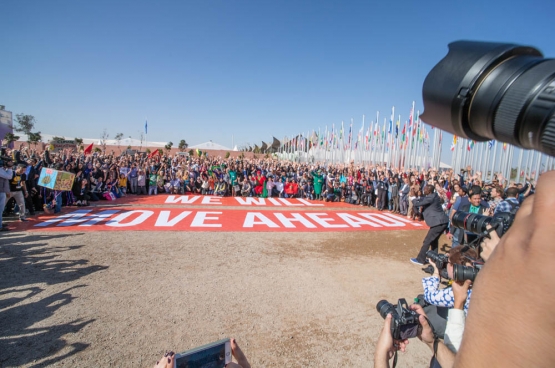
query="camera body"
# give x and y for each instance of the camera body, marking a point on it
(404, 322)
(440, 260)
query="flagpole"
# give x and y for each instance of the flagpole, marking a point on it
(146, 133)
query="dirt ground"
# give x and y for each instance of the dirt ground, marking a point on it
(120, 299)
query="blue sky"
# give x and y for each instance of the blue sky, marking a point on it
(210, 70)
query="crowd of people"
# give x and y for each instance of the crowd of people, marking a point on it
(110, 176)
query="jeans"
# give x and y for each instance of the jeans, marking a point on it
(20, 200)
(133, 182)
(58, 203)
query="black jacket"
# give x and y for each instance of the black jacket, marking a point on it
(431, 209)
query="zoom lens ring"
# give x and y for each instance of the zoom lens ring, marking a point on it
(548, 137)
(514, 100)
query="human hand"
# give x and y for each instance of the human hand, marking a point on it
(460, 293)
(436, 270)
(449, 236)
(489, 244)
(523, 264)
(427, 334)
(237, 353)
(386, 347)
(166, 361)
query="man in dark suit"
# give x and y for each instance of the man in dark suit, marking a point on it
(435, 218)
(476, 206)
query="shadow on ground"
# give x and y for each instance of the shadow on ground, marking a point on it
(25, 261)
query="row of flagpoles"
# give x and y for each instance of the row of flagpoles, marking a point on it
(415, 145)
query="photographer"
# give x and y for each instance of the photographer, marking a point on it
(386, 347)
(444, 297)
(6, 174)
(456, 315)
(510, 204)
(473, 206)
(18, 190)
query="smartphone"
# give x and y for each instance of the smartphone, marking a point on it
(213, 355)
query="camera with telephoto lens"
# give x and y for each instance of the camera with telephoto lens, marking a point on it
(462, 273)
(493, 91)
(440, 260)
(404, 322)
(476, 224)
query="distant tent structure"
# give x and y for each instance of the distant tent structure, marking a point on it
(264, 147)
(250, 149)
(235, 148)
(256, 149)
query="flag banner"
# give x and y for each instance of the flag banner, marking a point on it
(88, 150)
(55, 179)
(146, 127)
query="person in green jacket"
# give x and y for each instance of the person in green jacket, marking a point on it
(318, 182)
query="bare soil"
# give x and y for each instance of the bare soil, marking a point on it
(120, 299)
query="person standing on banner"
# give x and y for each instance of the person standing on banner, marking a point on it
(6, 174)
(435, 218)
(18, 190)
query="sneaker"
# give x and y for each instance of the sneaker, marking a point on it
(416, 262)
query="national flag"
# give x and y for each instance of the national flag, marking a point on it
(454, 144)
(470, 145)
(397, 126)
(404, 132)
(146, 126)
(416, 124)
(390, 130)
(157, 152)
(88, 150)
(490, 144)
(411, 118)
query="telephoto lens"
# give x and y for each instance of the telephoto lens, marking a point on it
(384, 308)
(484, 91)
(471, 222)
(462, 273)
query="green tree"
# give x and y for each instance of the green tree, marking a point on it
(168, 147)
(97, 149)
(148, 151)
(227, 154)
(9, 138)
(25, 123)
(118, 139)
(182, 145)
(35, 138)
(103, 138)
(57, 139)
(78, 143)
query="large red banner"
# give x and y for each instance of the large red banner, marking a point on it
(164, 219)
